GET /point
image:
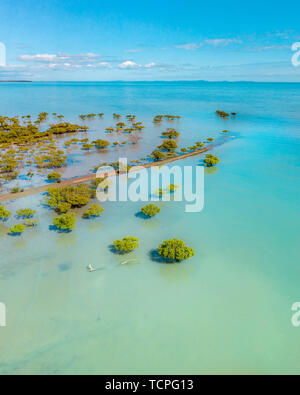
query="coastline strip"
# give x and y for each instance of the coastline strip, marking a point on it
(90, 177)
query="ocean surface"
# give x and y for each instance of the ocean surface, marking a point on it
(226, 310)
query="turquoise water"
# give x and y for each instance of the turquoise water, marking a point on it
(228, 309)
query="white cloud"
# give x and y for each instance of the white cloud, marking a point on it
(188, 47)
(128, 64)
(150, 65)
(273, 48)
(222, 41)
(63, 61)
(104, 64)
(38, 58)
(61, 57)
(215, 42)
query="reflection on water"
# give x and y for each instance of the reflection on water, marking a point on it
(95, 226)
(67, 239)
(178, 273)
(3, 230)
(124, 259)
(151, 223)
(19, 244)
(63, 267)
(208, 171)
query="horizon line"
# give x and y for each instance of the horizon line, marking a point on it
(152, 81)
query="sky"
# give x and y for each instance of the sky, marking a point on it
(96, 40)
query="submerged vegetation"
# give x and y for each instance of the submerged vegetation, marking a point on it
(160, 118)
(223, 114)
(175, 250)
(12, 131)
(26, 213)
(4, 214)
(211, 160)
(93, 211)
(173, 187)
(17, 229)
(171, 134)
(150, 210)
(31, 222)
(63, 199)
(101, 143)
(65, 222)
(168, 145)
(41, 145)
(127, 244)
(54, 176)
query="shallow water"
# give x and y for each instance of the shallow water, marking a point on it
(228, 309)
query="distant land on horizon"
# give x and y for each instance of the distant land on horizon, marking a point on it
(153, 81)
(15, 81)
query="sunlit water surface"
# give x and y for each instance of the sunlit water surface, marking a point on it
(226, 310)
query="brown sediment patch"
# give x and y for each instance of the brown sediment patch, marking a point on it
(90, 177)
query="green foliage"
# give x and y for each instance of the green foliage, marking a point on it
(31, 222)
(4, 214)
(17, 229)
(158, 155)
(64, 128)
(63, 207)
(168, 145)
(173, 187)
(101, 143)
(110, 129)
(17, 189)
(51, 159)
(159, 118)
(120, 166)
(175, 250)
(87, 146)
(96, 182)
(10, 176)
(160, 192)
(150, 210)
(211, 160)
(127, 244)
(210, 139)
(171, 134)
(11, 131)
(62, 199)
(93, 211)
(65, 222)
(54, 176)
(225, 131)
(30, 174)
(222, 114)
(26, 213)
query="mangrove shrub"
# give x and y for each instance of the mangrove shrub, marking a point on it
(127, 244)
(175, 250)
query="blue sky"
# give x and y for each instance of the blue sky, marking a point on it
(149, 40)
